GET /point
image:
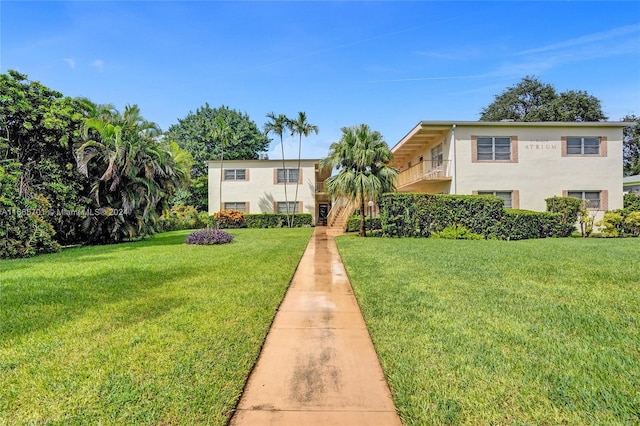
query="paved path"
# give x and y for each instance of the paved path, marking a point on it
(318, 365)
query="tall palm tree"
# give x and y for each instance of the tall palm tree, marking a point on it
(278, 125)
(225, 135)
(361, 157)
(301, 127)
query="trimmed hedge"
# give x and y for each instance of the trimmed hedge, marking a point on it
(526, 224)
(370, 223)
(276, 220)
(418, 215)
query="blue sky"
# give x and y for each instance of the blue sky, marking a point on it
(387, 64)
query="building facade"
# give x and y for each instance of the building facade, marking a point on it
(258, 186)
(524, 163)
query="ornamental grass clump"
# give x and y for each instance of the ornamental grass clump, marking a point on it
(209, 236)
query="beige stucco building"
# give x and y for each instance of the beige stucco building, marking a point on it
(258, 186)
(521, 162)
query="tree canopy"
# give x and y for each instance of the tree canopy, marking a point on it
(195, 134)
(361, 157)
(532, 100)
(38, 128)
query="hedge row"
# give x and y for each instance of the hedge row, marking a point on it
(420, 215)
(275, 220)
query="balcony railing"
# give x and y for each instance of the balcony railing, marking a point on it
(320, 187)
(425, 171)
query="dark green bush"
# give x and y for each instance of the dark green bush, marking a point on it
(569, 208)
(632, 202)
(418, 215)
(276, 220)
(370, 223)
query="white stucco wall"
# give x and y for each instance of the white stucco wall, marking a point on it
(260, 190)
(540, 171)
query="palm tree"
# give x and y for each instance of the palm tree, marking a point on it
(278, 125)
(132, 175)
(225, 135)
(361, 157)
(301, 127)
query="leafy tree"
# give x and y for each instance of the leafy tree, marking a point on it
(193, 134)
(301, 127)
(631, 147)
(361, 157)
(532, 100)
(277, 125)
(38, 128)
(132, 175)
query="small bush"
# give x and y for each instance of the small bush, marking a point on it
(569, 208)
(632, 222)
(209, 236)
(227, 219)
(182, 217)
(457, 232)
(611, 224)
(525, 224)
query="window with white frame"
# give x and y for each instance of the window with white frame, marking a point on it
(507, 196)
(591, 198)
(236, 205)
(583, 146)
(288, 175)
(494, 148)
(235, 174)
(281, 207)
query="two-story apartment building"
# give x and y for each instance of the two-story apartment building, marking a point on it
(258, 186)
(521, 162)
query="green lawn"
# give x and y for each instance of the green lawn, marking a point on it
(491, 332)
(152, 332)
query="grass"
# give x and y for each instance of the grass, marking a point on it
(152, 332)
(490, 332)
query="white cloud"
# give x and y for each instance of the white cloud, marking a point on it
(98, 64)
(71, 62)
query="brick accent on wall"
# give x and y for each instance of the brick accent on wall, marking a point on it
(603, 148)
(604, 200)
(515, 199)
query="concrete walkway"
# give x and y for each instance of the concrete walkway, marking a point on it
(318, 365)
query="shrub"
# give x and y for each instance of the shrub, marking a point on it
(229, 219)
(457, 232)
(569, 208)
(632, 202)
(181, 217)
(370, 223)
(209, 236)
(611, 224)
(632, 223)
(276, 220)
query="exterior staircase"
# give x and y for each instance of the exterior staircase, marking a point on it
(339, 215)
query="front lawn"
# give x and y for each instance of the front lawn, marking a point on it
(152, 332)
(493, 332)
